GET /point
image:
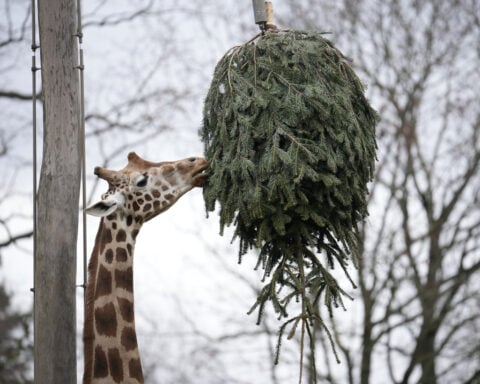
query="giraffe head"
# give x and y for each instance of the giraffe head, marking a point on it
(144, 189)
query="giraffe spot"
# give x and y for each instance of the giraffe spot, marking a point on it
(156, 193)
(124, 279)
(156, 204)
(115, 364)
(114, 225)
(135, 370)
(169, 196)
(100, 365)
(164, 204)
(165, 187)
(135, 232)
(140, 201)
(130, 197)
(129, 338)
(148, 197)
(104, 282)
(121, 235)
(106, 320)
(109, 255)
(147, 207)
(112, 217)
(129, 249)
(126, 309)
(121, 254)
(129, 220)
(135, 206)
(106, 238)
(138, 194)
(171, 179)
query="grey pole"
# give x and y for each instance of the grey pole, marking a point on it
(58, 196)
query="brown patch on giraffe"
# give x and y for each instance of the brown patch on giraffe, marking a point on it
(135, 370)
(135, 206)
(165, 188)
(156, 204)
(106, 320)
(135, 232)
(124, 279)
(169, 196)
(129, 338)
(129, 249)
(130, 197)
(126, 309)
(156, 193)
(121, 235)
(140, 201)
(168, 169)
(171, 179)
(147, 207)
(112, 217)
(114, 225)
(109, 255)
(106, 238)
(129, 220)
(121, 254)
(104, 282)
(115, 365)
(100, 365)
(138, 194)
(148, 197)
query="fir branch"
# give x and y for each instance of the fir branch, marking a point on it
(290, 138)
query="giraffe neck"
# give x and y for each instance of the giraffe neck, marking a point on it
(110, 342)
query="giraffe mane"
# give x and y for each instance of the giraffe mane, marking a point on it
(88, 332)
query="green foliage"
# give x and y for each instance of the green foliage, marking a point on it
(290, 138)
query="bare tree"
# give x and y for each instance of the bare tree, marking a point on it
(417, 287)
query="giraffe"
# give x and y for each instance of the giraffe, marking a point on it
(136, 194)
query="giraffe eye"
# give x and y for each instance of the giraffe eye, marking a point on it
(142, 182)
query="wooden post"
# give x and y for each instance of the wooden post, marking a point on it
(58, 196)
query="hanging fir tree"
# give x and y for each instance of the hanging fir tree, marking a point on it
(290, 138)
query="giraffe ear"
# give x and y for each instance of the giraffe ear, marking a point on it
(102, 208)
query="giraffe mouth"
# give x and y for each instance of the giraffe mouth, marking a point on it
(199, 177)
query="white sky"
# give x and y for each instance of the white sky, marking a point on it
(181, 287)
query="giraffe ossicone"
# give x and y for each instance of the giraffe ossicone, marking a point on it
(136, 194)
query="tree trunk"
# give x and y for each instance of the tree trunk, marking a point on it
(367, 342)
(58, 197)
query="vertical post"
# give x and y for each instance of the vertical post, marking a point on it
(259, 13)
(58, 196)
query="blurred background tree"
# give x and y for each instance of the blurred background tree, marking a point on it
(15, 344)
(417, 295)
(415, 316)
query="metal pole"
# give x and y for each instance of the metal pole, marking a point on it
(259, 13)
(34, 47)
(81, 68)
